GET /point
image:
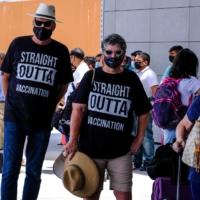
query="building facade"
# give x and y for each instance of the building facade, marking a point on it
(154, 26)
(80, 25)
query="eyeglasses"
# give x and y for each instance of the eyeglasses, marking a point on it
(108, 52)
(46, 24)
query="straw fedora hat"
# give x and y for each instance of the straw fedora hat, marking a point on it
(45, 11)
(80, 175)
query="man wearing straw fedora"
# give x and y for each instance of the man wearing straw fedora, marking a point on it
(105, 126)
(36, 73)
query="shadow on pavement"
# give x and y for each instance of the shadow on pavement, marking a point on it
(46, 171)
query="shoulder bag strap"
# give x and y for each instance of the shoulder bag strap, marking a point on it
(93, 75)
(73, 86)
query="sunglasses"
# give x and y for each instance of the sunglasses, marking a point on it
(119, 52)
(46, 24)
(139, 62)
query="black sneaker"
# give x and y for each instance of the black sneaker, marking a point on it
(136, 165)
(143, 166)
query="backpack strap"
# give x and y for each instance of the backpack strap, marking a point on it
(73, 86)
(93, 75)
(167, 79)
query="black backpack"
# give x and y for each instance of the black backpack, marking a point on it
(165, 164)
(161, 165)
(61, 118)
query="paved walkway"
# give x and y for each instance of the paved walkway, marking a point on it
(52, 188)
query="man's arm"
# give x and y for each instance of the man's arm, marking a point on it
(5, 83)
(198, 91)
(62, 91)
(142, 124)
(75, 124)
(153, 89)
(183, 128)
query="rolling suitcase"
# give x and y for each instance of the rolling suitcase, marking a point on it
(163, 189)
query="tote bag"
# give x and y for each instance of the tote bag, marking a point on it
(191, 153)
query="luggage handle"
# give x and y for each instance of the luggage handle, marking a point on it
(180, 153)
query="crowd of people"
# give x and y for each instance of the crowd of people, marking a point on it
(112, 111)
(184, 67)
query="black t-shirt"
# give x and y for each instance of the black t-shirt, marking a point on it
(36, 73)
(108, 123)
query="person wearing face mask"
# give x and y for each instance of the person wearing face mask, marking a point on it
(102, 112)
(77, 60)
(150, 83)
(90, 61)
(98, 59)
(133, 55)
(127, 63)
(173, 51)
(36, 72)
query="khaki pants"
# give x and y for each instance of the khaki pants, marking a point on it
(1, 124)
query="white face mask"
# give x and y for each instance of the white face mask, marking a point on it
(132, 64)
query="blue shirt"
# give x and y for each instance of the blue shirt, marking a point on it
(166, 73)
(193, 114)
(1, 91)
(129, 67)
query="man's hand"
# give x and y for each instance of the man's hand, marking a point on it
(179, 143)
(142, 124)
(182, 130)
(77, 85)
(71, 148)
(136, 144)
(75, 124)
(62, 101)
(61, 104)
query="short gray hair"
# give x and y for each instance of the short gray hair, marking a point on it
(114, 39)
